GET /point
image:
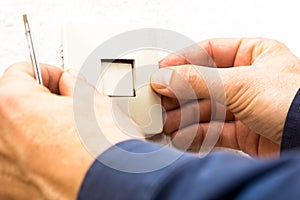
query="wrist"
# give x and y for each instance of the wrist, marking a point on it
(60, 173)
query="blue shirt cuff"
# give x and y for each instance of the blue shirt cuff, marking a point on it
(132, 159)
(216, 176)
(291, 132)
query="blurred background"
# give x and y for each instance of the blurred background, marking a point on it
(197, 19)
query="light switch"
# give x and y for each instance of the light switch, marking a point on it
(117, 77)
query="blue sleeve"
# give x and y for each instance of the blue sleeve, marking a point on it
(217, 176)
(140, 175)
(291, 132)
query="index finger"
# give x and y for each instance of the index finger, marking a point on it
(50, 74)
(221, 52)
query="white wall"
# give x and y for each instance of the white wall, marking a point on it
(197, 19)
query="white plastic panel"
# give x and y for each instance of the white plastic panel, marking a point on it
(136, 99)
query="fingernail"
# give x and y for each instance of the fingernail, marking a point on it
(162, 63)
(162, 76)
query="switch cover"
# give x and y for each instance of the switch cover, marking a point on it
(124, 78)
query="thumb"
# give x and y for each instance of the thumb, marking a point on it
(199, 82)
(68, 81)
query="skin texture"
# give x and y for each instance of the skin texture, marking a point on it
(42, 155)
(260, 78)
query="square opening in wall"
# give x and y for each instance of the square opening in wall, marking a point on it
(118, 77)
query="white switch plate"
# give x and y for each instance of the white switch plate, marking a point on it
(145, 110)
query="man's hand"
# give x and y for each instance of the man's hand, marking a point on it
(260, 78)
(42, 154)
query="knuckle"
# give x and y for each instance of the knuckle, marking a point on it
(17, 66)
(272, 43)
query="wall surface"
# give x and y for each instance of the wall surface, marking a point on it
(197, 19)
